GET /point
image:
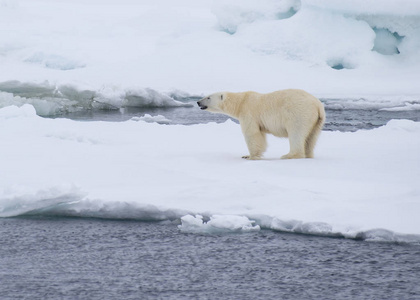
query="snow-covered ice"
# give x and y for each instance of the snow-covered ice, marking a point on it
(362, 184)
(150, 119)
(347, 48)
(217, 224)
(59, 56)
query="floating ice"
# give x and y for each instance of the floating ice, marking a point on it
(148, 98)
(50, 100)
(150, 119)
(217, 224)
(406, 107)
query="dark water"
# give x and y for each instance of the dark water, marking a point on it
(342, 119)
(69, 258)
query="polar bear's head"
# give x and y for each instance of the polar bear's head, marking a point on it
(212, 103)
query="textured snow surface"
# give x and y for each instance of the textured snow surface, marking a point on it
(360, 185)
(347, 48)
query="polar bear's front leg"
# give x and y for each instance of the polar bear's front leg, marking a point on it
(255, 140)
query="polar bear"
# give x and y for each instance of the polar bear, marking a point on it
(290, 113)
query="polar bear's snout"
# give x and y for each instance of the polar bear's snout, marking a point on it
(201, 104)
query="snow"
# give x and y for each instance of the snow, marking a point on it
(345, 48)
(361, 184)
(59, 56)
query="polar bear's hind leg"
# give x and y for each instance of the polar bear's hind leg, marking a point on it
(297, 146)
(313, 135)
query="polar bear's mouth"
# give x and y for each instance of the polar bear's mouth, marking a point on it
(202, 106)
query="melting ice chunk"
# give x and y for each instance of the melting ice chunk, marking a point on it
(217, 224)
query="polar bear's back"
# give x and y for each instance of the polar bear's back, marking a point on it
(290, 96)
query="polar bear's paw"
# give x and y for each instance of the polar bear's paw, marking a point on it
(292, 156)
(251, 157)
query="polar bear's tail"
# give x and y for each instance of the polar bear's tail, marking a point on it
(314, 134)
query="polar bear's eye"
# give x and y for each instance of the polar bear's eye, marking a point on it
(221, 97)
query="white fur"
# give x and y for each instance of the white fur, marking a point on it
(291, 113)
